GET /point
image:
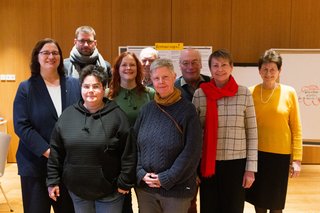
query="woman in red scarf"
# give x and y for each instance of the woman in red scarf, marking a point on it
(229, 155)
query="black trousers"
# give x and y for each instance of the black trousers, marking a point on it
(223, 192)
(127, 203)
(36, 199)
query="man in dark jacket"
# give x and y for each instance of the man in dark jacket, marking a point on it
(84, 52)
(190, 66)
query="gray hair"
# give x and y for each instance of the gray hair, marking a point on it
(162, 62)
(149, 51)
(188, 50)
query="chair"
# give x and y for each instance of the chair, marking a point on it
(4, 147)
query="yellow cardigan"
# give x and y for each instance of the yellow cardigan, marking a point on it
(278, 120)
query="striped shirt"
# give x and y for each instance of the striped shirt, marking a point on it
(237, 126)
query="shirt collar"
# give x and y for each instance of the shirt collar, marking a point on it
(183, 82)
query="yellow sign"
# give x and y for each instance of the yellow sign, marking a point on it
(169, 46)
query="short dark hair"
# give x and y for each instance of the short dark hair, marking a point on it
(270, 56)
(96, 71)
(35, 65)
(221, 53)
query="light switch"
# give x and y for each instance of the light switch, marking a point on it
(11, 77)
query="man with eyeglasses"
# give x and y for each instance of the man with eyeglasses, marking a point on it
(84, 52)
(190, 66)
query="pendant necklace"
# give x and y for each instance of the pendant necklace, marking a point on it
(268, 99)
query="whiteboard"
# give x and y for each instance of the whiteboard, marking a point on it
(174, 55)
(301, 70)
(246, 76)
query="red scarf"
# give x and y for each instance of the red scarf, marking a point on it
(213, 93)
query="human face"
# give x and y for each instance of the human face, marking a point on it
(92, 92)
(163, 81)
(190, 66)
(221, 70)
(85, 43)
(49, 57)
(269, 73)
(128, 69)
(146, 61)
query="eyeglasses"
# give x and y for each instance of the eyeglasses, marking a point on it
(192, 63)
(95, 87)
(82, 42)
(48, 53)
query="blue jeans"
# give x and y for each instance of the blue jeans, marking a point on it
(113, 203)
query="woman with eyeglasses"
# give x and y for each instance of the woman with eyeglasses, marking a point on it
(127, 90)
(37, 106)
(93, 149)
(279, 136)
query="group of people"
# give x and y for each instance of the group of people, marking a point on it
(89, 132)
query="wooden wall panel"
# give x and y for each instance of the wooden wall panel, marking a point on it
(246, 27)
(140, 22)
(67, 16)
(257, 26)
(311, 155)
(202, 22)
(24, 23)
(305, 30)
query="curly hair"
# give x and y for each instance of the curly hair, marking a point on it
(96, 71)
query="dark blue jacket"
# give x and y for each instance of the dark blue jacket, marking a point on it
(34, 118)
(184, 88)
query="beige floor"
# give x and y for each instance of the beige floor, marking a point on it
(303, 192)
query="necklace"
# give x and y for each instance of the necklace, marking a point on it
(268, 99)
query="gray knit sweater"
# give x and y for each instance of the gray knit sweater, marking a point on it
(162, 149)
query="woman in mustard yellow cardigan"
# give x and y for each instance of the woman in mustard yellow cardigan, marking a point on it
(279, 137)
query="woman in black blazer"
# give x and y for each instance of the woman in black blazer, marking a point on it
(39, 102)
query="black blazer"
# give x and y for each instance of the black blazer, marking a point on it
(34, 118)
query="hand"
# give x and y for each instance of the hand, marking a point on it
(152, 180)
(198, 180)
(54, 192)
(248, 179)
(295, 168)
(121, 191)
(46, 153)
